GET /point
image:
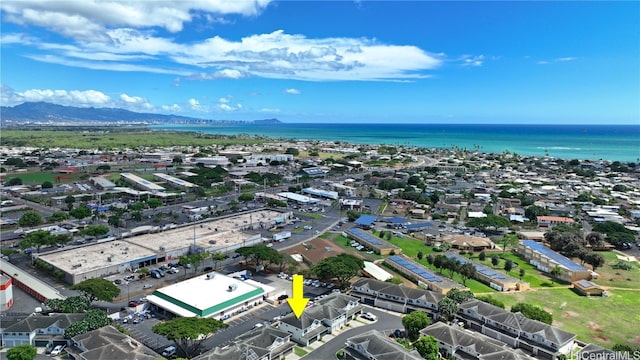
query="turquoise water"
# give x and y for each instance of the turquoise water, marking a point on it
(615, 142)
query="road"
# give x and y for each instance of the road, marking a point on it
(386, 321)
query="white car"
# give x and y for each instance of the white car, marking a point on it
(57, 350)
(369, 316)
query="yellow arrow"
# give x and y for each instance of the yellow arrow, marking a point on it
(297, 301)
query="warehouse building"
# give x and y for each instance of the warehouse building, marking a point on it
(140, 183)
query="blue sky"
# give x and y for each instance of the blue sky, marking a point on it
(330, 61)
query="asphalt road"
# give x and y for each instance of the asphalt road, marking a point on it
(386, 321)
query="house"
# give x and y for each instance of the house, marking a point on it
(399, 298)
(265, 343)
(325, 317)
(39, 330)
(546, 260)
(375, 345)
(468, 242)
(551, 221)
(542, 340)
(107, 343)
(587, 288)
(454, 342)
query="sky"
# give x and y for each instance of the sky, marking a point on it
(546, 62)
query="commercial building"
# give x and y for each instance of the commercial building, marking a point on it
(333, 195)
(29, 283)
(300, 199)
(102, 183)
(212, 295)
(551, 221)
(212, 161)
(374, 243)
(545, 259)
(421, 275)
(496, 280)
(141, 183)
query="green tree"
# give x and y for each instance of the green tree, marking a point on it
(96, 230)
(420, 255)
(491, 221)
(534, 312)
(292, 151)
(47, 185)
(342, 267)
(69, 200)
(188, 332)
(459, 296)
(491, 300)
(103, 167)
(414, 322)
(154, 203)
(595, 260)
(521, 273)
(427, 347)
(59, 216)
(80, 212)
(246, 197)
(447, 308)
(482, 256)
(14, 181)
(72, 304)
(467, 271)
(508, 265)
(495, 260)
(38, 239)
(22, 352)
(94, 319)
(260, 255)
(29, 219)
(509, 241)
(216, 257)
(97, 289)
(177, 160)
(555, 272)
(532, 212)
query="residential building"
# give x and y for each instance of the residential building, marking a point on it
(38, 330)
(265, 343)
(107, 343)
(551, 221)
(457, 343)
(468, 242)
(325, 317)
(375, 345)
(399, 298)
(546, 260)
(542, 340)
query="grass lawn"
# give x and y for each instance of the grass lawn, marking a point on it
(532, 275)
(616, 277)
(601, 320)
(299, 351)
(41, 176)
(309, 215)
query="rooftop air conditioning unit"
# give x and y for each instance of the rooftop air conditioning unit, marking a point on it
(233, 287)
(211, 275)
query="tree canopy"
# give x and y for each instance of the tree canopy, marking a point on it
(188, 332)
(80, 212)
(261, 255)
(94, 319)
(534, 312)
(414, 322)
(97, 289)
(96, 230)
(427, 347)
(29, 219)
(342, 267)
(72, 304)
(22, 352)
(494, 221)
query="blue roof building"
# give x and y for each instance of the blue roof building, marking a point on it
(422, 275)
(546, 260)
(370, 241)
(496, 279)
(366, 221)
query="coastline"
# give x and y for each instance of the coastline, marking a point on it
(584, 142)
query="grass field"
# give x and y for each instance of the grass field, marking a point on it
(611, 277)
(42, 176)
(601, 320)
(116, 139)
(532, 275)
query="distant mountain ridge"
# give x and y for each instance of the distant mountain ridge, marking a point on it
(53, 114)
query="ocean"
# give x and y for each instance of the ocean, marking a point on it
(593, 142)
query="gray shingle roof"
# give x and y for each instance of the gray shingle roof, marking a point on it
(39, 321)
(381, 347)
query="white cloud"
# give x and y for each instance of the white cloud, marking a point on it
(62, 97)
(82, 19)
(561, 59)
(223, 101)
(292, 91)
(569, 58)
(131, 99)
(173, 107)
(477, 60)
(224, 104)
(268, 110)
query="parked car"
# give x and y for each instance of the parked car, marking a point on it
(147, 286)
(57, 350)
(169, 351)
(369, 316)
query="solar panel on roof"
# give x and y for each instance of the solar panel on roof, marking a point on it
(479, 267)
(560, 259)
(366, 237)
(416, 269)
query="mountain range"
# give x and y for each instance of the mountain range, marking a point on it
(52, 114)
